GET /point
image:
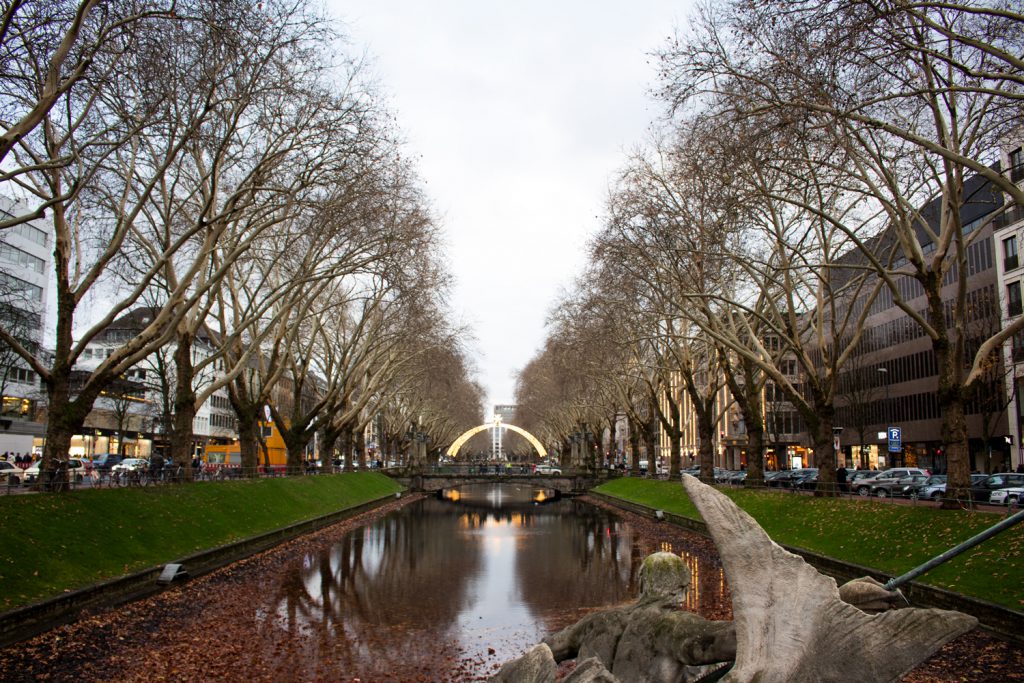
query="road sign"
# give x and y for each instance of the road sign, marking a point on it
(895, 439)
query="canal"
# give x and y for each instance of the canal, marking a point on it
(476, 577)
(434, 590)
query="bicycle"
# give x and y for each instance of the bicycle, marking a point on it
(58, 477)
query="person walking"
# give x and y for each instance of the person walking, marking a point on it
(841, 479)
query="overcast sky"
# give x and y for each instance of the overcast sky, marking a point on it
(520, 112)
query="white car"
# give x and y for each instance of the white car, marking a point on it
(1010, 496)
(137, 464)
(548, 469)
(10, 474)
(76, 471)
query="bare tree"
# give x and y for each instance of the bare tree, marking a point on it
(919, 97)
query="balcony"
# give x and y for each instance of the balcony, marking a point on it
(1012, 215)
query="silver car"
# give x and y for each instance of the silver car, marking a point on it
(866, 486)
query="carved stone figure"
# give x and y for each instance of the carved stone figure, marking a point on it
(650, 640)
(791, 623)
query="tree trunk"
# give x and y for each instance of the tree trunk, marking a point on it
(295, 440)
(327, 453)
(634, 447)
(182, 436)
(675, 463)
(755, 456)
(958, 460)
(825, 453)
(346, 448)
(360, 444)
(651, 441)
(65, 420)
(248, 444)
(706, 432)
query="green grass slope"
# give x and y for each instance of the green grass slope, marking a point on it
(55, 543)
(891, 538)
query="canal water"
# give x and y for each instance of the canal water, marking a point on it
(454, 586)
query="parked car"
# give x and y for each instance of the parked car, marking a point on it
(722, 476)
(549, 469)
(781, 478)
(982, 491)
(10, 475)
(105, 461)
(1010, 496)
(866, 486)
(937, 489)
(855, 476)
(76, 471)
(898, 488)
(131, 465)
(791, 478)
(737, 478)
(806, 479)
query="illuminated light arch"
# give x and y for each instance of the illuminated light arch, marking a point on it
(453, 450)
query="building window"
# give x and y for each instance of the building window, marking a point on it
(1010, 253)
(1018, 347)
(17, 257)
(1017, 165)
(29, 232)
(22, 375)
(16, 286)
(1013, 300)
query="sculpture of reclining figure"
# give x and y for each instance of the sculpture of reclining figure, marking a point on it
(791, 623)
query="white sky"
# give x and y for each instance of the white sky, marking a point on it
(521, 113)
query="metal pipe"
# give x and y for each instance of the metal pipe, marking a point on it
(893, 584)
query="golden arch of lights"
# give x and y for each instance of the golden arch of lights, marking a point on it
(453, 450)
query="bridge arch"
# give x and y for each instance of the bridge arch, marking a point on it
(453, 450)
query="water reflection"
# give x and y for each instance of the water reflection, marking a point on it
(441, 583)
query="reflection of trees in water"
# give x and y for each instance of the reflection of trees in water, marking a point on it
(583, 557)
(382, 597)
(707, 579)
(386, 600)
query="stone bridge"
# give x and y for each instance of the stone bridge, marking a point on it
(568, 484)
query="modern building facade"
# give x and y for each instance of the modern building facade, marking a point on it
(893, 379)
(135, 416)
(25, 258)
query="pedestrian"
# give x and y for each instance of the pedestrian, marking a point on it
(841, 479)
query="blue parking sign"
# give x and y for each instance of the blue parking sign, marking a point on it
(895, 439)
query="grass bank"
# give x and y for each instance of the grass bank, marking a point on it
(51, 544)
(890, 538)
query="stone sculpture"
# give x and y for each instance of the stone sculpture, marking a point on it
(791, 623)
